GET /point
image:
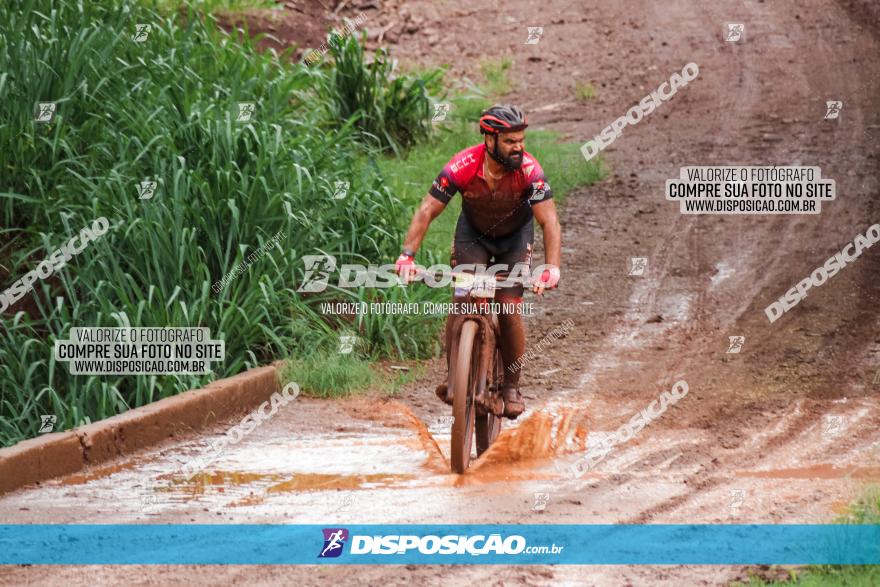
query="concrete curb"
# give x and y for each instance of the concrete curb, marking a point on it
(55, 454)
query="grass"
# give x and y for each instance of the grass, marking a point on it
(210, 6)
(329, 374)
(584, 91)
(497, 76)
(865, 510)
(164, 109)
(391, 112)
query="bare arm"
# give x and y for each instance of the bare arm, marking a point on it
(545, 214)
(428, 210)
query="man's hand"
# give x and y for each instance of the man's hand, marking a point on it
(547, 280)
(545, 214)
(406, 267)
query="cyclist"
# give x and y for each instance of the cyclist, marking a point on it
(500, 193)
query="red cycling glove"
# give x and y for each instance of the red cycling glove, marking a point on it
(405, 267)
(549, 277)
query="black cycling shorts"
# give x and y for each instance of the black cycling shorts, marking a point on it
(471, 247)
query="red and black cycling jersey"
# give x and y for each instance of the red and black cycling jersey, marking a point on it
(498, 213)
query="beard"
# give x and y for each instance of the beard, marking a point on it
(512, 162)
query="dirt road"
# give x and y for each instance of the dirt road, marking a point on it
(786, 430)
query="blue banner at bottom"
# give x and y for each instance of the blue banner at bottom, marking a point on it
(659, 544)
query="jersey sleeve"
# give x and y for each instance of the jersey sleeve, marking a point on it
(444, 186)
(537, 187)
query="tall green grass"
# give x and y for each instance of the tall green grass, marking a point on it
(165, 110)
(390, 110)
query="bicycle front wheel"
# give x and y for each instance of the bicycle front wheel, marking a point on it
(463, 388)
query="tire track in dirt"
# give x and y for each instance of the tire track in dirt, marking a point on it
(699, 483)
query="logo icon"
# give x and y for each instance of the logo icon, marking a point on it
(334, 540)
(538, 190)
(541, 500)
(735, 343)
(146, 190)
(245, 111)
(141, 32)
(535, 33)
(47, 423)
(148, 500)
(833, 108)
(833, 425)
(346, 343)
(45, 112)
(345, 505)
(735, 32)
(340, 189)
(637, 265)
(441, 109)
(737, 498)
(318, 268)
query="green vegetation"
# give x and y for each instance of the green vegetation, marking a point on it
(165, 110)
(866, 510)
(391, 112)
(210, 6)
(329, 374)
(497, 76)
(584, 91)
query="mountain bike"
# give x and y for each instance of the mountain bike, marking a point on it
(476, 370)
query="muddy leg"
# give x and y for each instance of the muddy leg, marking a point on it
(513, 345)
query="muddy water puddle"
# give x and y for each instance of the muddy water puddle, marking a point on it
(410, 456)
(99, 473)
(233, 481)
(396, 453)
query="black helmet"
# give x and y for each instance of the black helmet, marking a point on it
(504, 118)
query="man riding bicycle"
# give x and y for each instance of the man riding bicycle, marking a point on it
(500, 195)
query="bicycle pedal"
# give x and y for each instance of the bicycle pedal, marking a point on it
(495, 405)
(485, 403)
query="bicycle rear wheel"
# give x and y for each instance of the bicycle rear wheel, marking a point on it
(463, 387)
(488, 426)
